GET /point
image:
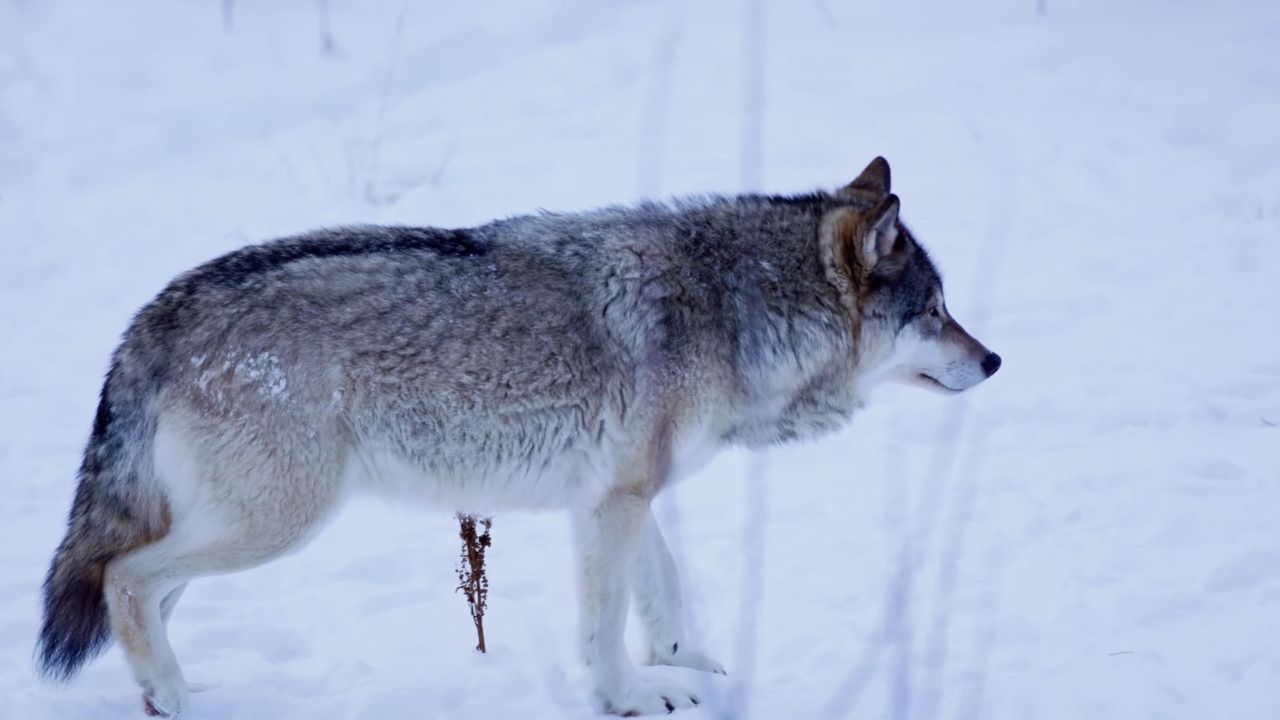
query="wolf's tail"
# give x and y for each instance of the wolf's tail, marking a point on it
(116, 509)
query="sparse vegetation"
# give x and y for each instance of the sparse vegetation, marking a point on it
(472, 580)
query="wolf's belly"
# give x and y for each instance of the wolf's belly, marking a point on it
(476, 482)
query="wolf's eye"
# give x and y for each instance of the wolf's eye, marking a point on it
(935, 313)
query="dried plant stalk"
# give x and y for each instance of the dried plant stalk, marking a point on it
(472, 580)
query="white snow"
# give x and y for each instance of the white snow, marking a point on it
(1095, 532)
(262, 370)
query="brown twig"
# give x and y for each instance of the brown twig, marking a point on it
(472, 580)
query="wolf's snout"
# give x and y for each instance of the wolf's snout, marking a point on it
(990, 364)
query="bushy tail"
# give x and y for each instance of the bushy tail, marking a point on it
(76, 627)
(114, 512)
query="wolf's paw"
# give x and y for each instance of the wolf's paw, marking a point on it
(681, 656)
(643, 697)
(165, 701)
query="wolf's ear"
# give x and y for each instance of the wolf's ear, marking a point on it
(874, 178)
(881, 235)
(858, 245)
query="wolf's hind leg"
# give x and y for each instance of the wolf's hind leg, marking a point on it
(167, 605)
(170, 601)
(143, 586)
(660, 607)
(135, 584)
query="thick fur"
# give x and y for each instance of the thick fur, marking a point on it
(116, 509)
(555, 361)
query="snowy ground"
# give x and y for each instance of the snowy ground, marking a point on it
(1093, 533)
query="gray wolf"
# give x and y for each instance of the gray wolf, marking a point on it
(573, 361)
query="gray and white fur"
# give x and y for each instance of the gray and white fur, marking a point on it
(576, 361)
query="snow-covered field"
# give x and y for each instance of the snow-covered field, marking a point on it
(1094, 533)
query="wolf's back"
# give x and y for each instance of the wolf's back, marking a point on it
(116, 509)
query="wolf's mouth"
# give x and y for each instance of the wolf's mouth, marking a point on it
(935, 382)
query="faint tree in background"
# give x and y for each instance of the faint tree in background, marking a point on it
(328, 45)
(365, 167)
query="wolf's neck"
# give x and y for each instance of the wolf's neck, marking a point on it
(791, 334)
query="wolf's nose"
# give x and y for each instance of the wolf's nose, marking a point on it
(990, 364)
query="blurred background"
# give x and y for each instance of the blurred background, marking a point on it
(1092, 533)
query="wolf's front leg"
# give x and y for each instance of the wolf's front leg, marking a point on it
(659, 605)
(607, 539)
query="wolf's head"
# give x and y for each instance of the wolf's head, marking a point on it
(904, 331)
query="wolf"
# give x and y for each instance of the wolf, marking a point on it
(580, 362)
